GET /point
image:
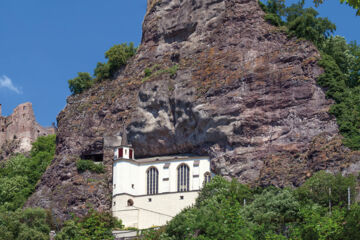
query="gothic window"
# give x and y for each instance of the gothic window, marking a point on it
(207, 178)
(152, 181)
(183, 178)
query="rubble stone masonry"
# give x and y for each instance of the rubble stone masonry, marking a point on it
(21, 126)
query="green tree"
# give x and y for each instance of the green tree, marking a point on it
(19, 175)
(28, 224)
(94, 226)
(316, 189)
(318, 223)
(352, 223)
(273, 209)
(81, 83)
(309, 26)
(117, 56)
(219, 187)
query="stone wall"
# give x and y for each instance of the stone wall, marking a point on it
(21, 128)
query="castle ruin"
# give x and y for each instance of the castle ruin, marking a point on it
(21, 127)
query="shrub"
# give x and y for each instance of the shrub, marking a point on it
(95, 225)
(83, 165)
(29, 224)
(19, 175)
(316, 189)
(81, 83)
(117, 56)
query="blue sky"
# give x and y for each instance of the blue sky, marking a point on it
(44, 43)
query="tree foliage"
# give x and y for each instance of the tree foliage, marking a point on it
(117, 56)
(81, 83)
(317, 189)
(94, 226)
(28, 224)
(270, 213)
(19, 175)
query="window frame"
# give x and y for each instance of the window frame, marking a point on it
(183, 178)
(152, 181)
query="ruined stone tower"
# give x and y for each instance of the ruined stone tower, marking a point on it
(21, 127)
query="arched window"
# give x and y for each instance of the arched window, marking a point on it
(207, 178)
(152, 181)
(183, 178)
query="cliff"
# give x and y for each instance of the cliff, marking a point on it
(220, 82)
(19, 130)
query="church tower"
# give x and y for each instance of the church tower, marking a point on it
(125, 151)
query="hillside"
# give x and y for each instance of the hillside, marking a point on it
(220, 82)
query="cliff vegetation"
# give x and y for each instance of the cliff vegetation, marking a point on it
(340, 60)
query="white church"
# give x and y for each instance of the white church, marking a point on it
(149, 192)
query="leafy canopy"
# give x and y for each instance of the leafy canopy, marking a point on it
(19, 175)
(117, 56)
(81, 83)
(94, 226)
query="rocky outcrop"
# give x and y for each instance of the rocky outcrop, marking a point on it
(19, 130)
(220, 81)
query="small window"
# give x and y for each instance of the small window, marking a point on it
(181, 197)
(120, 153)
(132, 186)
(130, 203)
(207, 178)
(114, 203)
(114, 186)
(149, 199)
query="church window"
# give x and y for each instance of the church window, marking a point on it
(207, 178)
(152, 181)
(183, 178)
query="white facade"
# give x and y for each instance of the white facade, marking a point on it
(131, 201)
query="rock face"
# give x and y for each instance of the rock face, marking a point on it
(19, 130)
(220, 81)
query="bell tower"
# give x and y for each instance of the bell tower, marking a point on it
(125, 151)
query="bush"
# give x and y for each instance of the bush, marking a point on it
(81, 83)
(274, 209)
(118, 57)
(28, 224)
(316, 189)
(95, 225)
(19, 175)
(352, 223)
(83, 165)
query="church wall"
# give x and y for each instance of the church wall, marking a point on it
(130, 177)
(145, 213)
